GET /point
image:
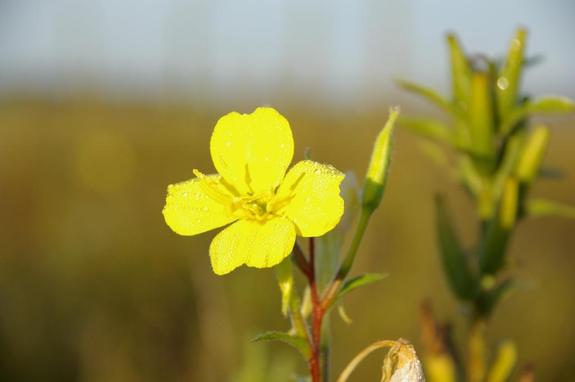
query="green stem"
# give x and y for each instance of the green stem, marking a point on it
(477, 351)
(296, 317)
(347, 263)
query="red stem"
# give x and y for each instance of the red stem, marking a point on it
(317, 318)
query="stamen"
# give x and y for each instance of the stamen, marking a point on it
(210, 188)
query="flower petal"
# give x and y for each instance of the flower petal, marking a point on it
(190, 211)
(316, 205)
(252, 151)
(259, 245)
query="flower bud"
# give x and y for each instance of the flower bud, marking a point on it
(532, 155)
(402, 364)
(380, 157)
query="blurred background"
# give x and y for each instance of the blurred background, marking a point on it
(103, 103)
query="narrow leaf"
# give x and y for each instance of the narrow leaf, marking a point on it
(551, 105)
(481, 120)
(454, 261)
(508, 83)
(543, 207)
(429, 128)
(492, 247)
(359, 281)
(427, 93)
(540, 106)
(460, 73)
(284, 277)
(297, 342)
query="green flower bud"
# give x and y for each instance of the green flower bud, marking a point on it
(532, 154)
(376, 176)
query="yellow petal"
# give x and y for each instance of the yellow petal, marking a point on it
(316, 206)
(259, 245)
(252, 151)
(190, 211)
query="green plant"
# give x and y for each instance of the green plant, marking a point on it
(263, 207)
(498, 156)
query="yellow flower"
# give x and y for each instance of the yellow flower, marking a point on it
(251, 153)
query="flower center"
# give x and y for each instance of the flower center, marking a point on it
(259, 207)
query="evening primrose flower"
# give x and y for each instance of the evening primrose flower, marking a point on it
(264, 206)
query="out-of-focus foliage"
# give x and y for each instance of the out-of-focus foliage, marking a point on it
(498, 155)
(94, 286)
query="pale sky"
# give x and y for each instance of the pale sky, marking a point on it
(336, 49)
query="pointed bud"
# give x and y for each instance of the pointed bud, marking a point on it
(376, 176)
(532, 154)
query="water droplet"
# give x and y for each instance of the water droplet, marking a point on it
(502, 83)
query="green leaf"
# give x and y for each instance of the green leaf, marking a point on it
(284, 277)
(328, 247)
(495, 236)
(454, 260)
(493, 245)
(543, 207)
(460, 73)
(540, 106)
(530, 62)
(551, 173)
(429, 128)
(508, 83)
(427, 93)
(550, 105)
(297, 342)
(359, 281)
(481, 120)
(489, 299)
(509, 162)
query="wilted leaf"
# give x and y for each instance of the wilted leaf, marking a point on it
(400, 364)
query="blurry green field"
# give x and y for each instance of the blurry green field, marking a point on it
(95, 287)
